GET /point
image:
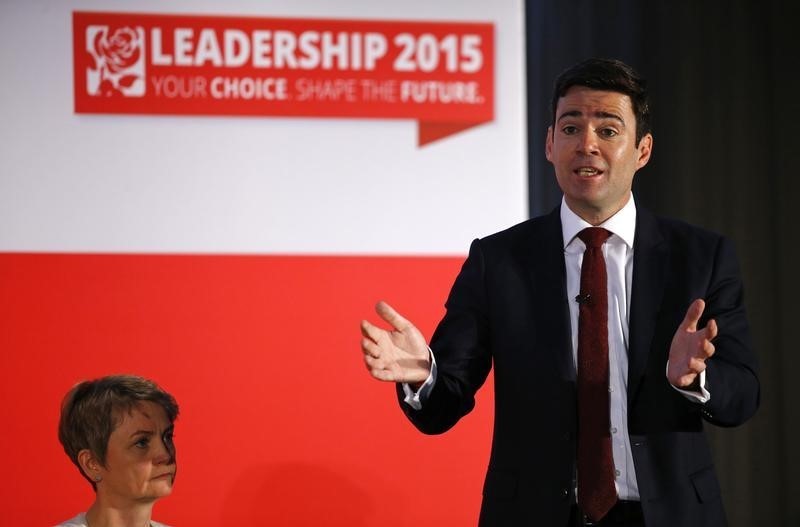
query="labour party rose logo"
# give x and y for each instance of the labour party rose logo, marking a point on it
(119, 64)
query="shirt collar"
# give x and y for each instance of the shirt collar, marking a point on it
(622, 224)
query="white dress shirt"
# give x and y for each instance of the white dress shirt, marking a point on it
(618, 254)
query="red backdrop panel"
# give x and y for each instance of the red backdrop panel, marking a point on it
(280, 423)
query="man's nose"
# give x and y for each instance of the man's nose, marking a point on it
(587, 141)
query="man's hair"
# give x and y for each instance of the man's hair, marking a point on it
(91, 411)
(607, 75)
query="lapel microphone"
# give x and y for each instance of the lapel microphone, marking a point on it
(583, 298)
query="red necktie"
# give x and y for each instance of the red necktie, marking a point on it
(596, 490)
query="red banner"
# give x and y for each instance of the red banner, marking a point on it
(439, 73)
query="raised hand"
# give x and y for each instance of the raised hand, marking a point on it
(690, 347)
(399, 355)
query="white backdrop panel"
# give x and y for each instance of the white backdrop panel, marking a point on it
(119, 183)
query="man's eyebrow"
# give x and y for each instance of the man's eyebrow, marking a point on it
(600, 114)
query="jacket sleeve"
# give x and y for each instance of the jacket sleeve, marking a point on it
(460, 345)
(731, 372)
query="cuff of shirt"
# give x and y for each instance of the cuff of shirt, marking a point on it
(415, 399)
(701, 396)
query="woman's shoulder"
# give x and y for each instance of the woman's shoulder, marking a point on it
(77, 521)
(80, 521)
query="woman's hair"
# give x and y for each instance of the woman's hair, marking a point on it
(91, 410)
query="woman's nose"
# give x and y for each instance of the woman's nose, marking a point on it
(166, 452)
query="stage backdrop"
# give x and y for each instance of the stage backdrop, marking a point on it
(213, 194)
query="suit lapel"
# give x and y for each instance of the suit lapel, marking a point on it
(650, 264)
(650, 261)
(548, 276)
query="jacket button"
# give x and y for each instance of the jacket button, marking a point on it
(565, 493)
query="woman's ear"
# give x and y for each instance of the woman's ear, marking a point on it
(90, 465)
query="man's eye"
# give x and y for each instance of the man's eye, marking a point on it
(569, 130)
(608, 132)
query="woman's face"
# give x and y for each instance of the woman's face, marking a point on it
(140, 460)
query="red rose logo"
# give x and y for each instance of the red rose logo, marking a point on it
(120, 51)
(117, 52)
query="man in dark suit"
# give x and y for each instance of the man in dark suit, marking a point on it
(600, 394)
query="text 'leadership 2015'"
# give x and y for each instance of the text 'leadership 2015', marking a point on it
(439, 73)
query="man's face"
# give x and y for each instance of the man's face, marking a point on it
(593, 149)
(140, 461)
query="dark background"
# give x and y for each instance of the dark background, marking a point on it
(724, 91)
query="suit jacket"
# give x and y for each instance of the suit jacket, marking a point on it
(508, 310)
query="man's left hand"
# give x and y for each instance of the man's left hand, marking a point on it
(690, 347)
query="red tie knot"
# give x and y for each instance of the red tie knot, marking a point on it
(594, 236)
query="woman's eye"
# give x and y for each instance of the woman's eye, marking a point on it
(142, 443)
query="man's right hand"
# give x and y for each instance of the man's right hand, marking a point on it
(400, 355)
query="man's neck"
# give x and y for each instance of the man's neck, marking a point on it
(595, 216)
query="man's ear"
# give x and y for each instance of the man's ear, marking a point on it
(548, 144)
(645, 149)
